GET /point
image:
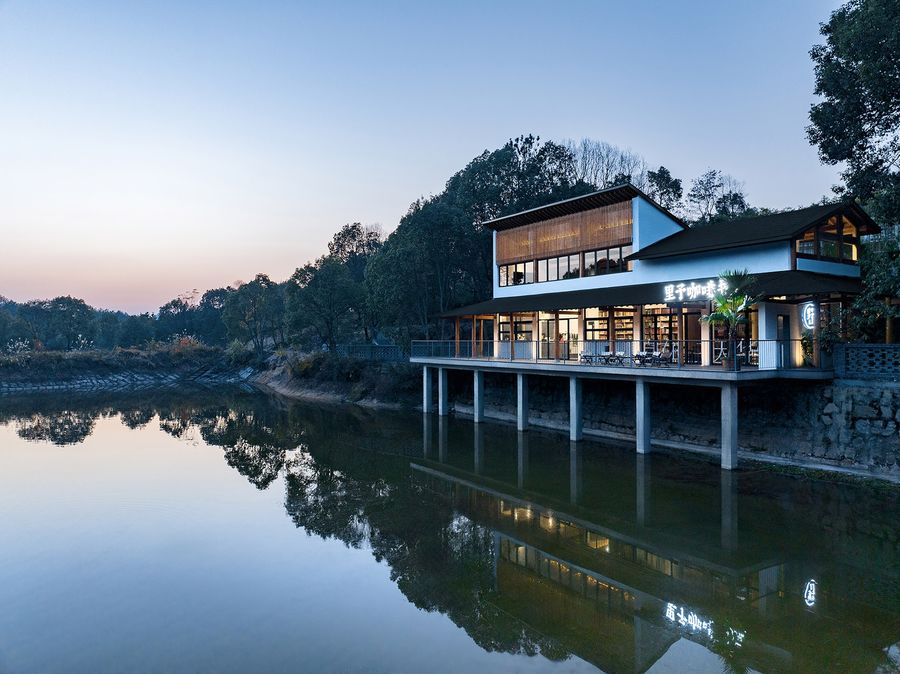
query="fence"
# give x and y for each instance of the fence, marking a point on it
(760, 354)
(382, 353)
(867, 361)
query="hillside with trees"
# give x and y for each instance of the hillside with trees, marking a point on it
(368, 287)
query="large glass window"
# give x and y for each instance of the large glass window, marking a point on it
(836, 240)
(591, 263)
(573, 266)
(516, 274)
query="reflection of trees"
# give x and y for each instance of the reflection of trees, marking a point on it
(440, 561)
(63, 428)
(137, 418)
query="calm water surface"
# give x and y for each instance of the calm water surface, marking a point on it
(239, 533)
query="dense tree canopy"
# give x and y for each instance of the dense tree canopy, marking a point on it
(857, 124)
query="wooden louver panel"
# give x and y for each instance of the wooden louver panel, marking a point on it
(598, 228)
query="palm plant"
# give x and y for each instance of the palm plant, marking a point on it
(730, 306)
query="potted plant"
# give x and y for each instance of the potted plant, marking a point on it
(730, 310)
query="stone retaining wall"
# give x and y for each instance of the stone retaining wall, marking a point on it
(843, 424)
(125, 381)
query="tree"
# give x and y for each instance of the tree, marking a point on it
(665, 188)
(321, 296)
(705, 191)
(858, 122)
(354, 246)
(255, 313)
(716, 196)
(35, 317)
(174, 319)
(70, 321)
(440, 254)
(135, 331)
(603, 164)
(880, 262)
(730, 305)
(208, 325)
(106, 328)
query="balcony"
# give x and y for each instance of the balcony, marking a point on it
(698, 359)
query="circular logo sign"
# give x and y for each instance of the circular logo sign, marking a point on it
(808, 315)
(809, 593)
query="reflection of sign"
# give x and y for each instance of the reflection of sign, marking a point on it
(809, 593)
(808, 315)
(693, 290)
(699, 624)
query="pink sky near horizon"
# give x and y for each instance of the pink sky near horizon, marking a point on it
(149, 150)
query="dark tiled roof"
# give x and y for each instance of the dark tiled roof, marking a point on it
(768, 284)
(751, 231)
(587, 202)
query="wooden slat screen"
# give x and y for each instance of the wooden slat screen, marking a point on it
(598, 228)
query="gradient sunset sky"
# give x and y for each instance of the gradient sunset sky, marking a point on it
(150, 148)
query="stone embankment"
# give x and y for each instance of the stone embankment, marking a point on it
(118, 370)
(126, 381)
(846, 425)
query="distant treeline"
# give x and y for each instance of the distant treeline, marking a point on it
(369, 287)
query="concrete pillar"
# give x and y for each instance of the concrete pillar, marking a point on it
(521, 402)
(728, 482)
(427, 426)
(443, 402)
(642, 489)
(729, 426)
(522, 459)
(478, 395)
(427, 401)
(576, 473)
(442, 439)
(478, 460)
(642, 415)
(575, 411)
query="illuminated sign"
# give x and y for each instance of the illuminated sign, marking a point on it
(808, 315)
(699, 624)
(693, 290)
(809, 593)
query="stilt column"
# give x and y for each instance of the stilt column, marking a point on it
(642, 416)
(575, 411)
(478, 395)
(443, 402)
(729, 426)
(427, 401)
(521, 401)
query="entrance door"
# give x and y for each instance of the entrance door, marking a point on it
(564, 344)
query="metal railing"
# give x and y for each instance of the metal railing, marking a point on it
(772, 354)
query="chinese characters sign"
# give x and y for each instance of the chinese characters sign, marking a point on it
(698, 624)
(808, 315)
(693, 290)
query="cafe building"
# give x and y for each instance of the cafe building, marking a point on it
(611, 284)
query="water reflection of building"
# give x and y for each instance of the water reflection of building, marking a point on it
(620, 596)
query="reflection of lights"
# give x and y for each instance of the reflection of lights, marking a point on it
(808, 315)
(698, 624)
(809, 593)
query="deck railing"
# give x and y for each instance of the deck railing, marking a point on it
(759, 354)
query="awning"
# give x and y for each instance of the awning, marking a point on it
(772, 284)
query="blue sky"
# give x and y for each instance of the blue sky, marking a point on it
(152, 148)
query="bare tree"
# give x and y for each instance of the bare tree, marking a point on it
(603, 164)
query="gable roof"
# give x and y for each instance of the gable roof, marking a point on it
(751, 231)
(606, 197)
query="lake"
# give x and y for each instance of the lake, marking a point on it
(235, 532)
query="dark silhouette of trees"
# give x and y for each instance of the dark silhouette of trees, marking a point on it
(857, 123)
